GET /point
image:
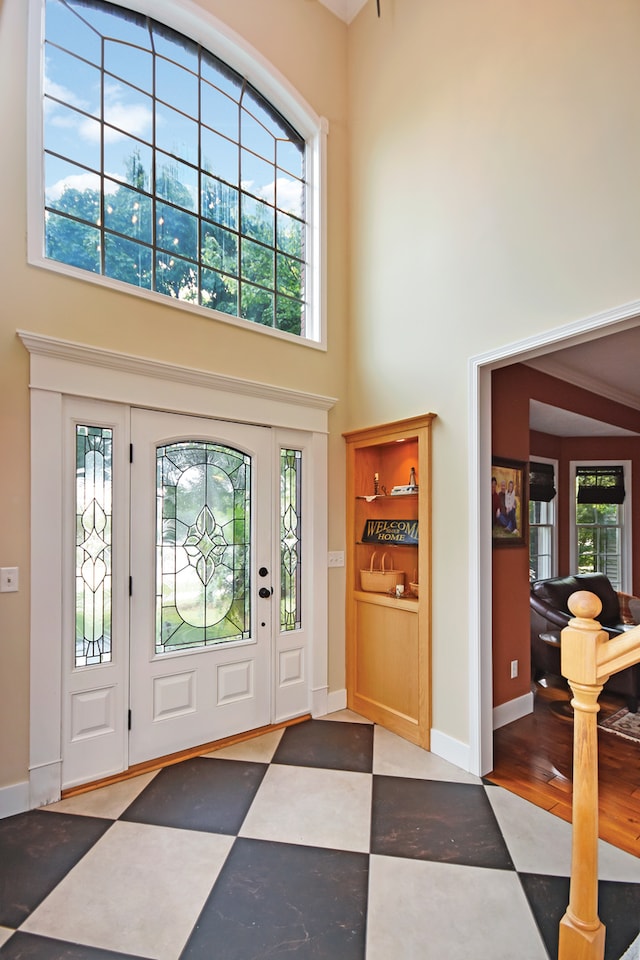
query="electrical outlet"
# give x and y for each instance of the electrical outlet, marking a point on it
(8, 579)
(514, 669)
(335, 558)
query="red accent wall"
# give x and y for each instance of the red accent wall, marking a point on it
(512, 388)
(510, 564)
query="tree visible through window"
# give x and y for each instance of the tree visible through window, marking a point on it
(600, 497)
(167, 170)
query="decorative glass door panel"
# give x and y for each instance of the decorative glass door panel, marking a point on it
(203, 554)
(95, 605)
(187, 606)
(94, 460)
(201, 509)
(290, 539)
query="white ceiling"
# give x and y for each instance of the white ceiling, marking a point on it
(609, 366)
(565, 423)
(347, 10)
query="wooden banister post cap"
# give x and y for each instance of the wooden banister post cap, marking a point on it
(584, 605)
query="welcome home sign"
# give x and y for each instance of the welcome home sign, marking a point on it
(390, 531)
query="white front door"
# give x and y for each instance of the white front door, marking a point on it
(201, 581)
(80, 556)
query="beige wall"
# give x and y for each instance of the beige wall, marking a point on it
(495, 146)
(299, 39)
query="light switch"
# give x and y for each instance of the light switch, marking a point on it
(8, 579)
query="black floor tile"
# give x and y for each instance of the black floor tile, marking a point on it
(276, 900)
(28, 946)
(37, 849)
(434, 820)
(327, 743)
(200, 794)
(548, 898)
(618, 909)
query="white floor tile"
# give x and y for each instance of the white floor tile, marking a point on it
(319, 808)
(5, 933)
(615, 864)
(345, 716)
(258, 749)
(139, 890)
(109, 802)
(426, 911)
(393, 756)
(540, 842)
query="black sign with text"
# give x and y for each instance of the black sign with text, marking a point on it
(390, 531)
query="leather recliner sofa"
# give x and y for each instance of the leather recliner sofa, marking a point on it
(550, 614)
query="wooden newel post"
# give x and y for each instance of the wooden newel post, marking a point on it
(582, 934)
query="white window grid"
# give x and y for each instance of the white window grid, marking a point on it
(617, 566)
(225, 44)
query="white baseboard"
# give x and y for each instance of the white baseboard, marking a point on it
(14, 799)
(336, 700)
(45, 780)
(512, 710)
(319, 698)
(450, 749)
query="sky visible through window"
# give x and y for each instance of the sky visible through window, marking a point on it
(165, 169)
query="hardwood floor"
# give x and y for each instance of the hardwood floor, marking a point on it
(533, 759)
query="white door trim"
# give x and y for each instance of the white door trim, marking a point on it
(76, 369)
(61, 367)
(480, 368)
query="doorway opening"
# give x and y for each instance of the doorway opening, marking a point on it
(597, 328)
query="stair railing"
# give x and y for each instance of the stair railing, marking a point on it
(588, 658)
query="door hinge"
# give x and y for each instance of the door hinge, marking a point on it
(130, 453)
(130, 586)
(129, 721)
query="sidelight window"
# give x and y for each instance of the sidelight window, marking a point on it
(93, 510)
(290, 539)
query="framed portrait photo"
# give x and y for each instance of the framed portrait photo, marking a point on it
(509, 502)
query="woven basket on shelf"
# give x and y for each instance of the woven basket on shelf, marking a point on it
(382, 580)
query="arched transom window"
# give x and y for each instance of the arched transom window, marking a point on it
(165, 169)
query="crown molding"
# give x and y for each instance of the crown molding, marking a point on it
(562, 372)
(346, 10)
(98, 357)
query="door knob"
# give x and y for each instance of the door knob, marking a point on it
(265, 592)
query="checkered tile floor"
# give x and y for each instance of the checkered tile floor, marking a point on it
(332, 839)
